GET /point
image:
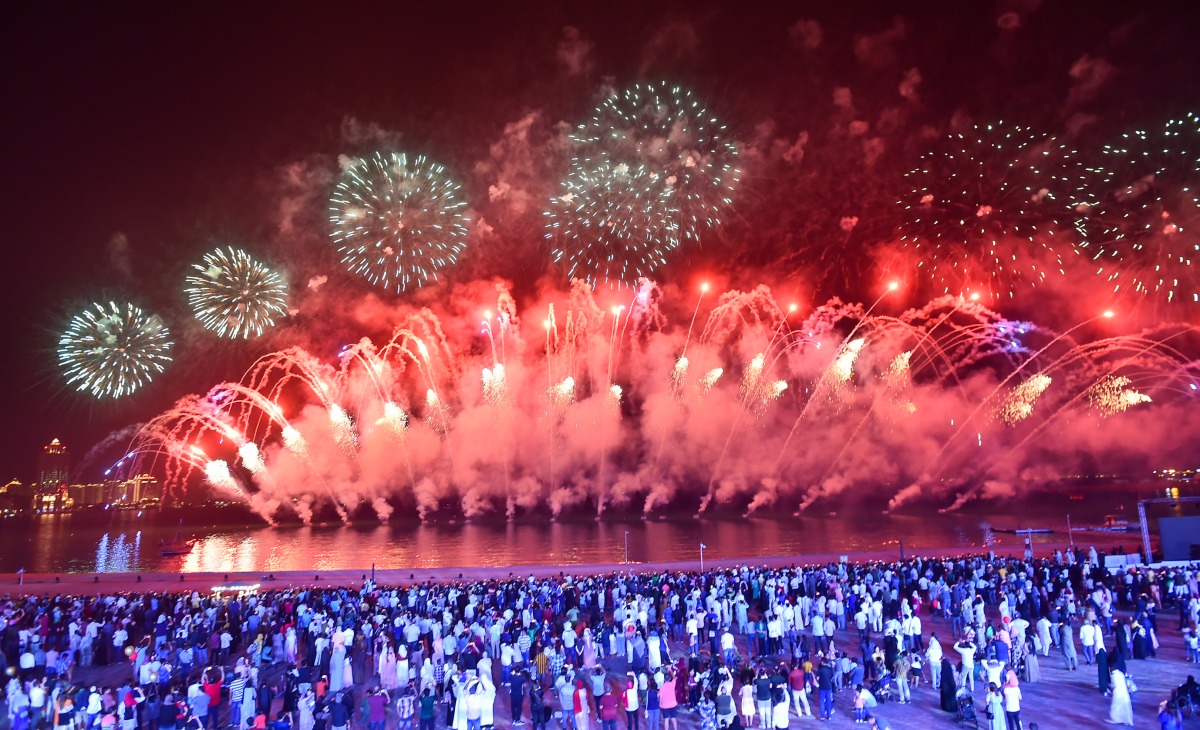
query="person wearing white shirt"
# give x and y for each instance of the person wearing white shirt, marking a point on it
(934, 654)
(1043, 634)
(1012, 706)
(966, 650)
(1087, 637)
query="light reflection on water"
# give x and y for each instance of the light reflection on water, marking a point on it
(120, 554)
(67, 543)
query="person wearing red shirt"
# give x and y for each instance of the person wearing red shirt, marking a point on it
(608, 711)
(214, 677)
(796, 685)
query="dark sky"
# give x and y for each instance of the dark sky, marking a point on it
(137, 134)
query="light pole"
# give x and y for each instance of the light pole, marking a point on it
(627, 547)
(702, 546)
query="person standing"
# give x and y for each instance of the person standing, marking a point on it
(1087, 639)
(1120, 712)
(306, 709)
(762, 696)
(1043, 635)
(825, 688)
(966, 650)
(428, 717)
(607, 710)
(1012, 706)
(653, 712)
(933, 652)
(472, 702)
(339, 713)
(630, 700)
(797, 684)
(537, 705)
(237, 691)
(947, 687)
(995, 709)
(516, 695)
(377, 709)
(747, 704)
(1066, 637)
(579, 706)
(902, 668)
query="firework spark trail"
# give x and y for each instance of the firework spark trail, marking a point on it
(235, 395)
(817, 388)
(899, 376)
(741, 301)
(235, 296)
(1137, 212)
(1018, 405)
(979, 408)
(397, 221)
(1115, 388)
(286, 438)
(741, 311)
(984, 204)
(1112, 395)
(113, 350)
(691, 161)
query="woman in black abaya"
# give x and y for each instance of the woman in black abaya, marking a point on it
(949, 689)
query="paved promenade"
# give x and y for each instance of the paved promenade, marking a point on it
(1062, 699)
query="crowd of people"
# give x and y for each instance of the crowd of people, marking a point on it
(735, 648)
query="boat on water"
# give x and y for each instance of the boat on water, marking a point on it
(1026, 530)
(176, 546)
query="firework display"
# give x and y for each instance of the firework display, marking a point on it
(1019, 404)
(1112, 395)
(435, 422)
(1137, 212)
(987, 209)
(397, 222)
(690, 160)
(111, 350)
(234, 295)
(596, 398)
(610, 226)
(650, 169)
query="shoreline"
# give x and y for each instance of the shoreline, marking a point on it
(89, 583)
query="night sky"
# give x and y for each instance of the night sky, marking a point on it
(138, 136)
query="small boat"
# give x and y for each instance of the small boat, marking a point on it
(175, 547)
(1026, 530)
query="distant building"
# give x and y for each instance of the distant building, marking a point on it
(54, 473)
(15, 497)
(137, 490)
(52, 498)
(88, 495)
(54, 466)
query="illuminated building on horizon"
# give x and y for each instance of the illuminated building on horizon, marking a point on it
(87, 495)
(15, 497)
(135, 490)
(54, 465)
(54, 472)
